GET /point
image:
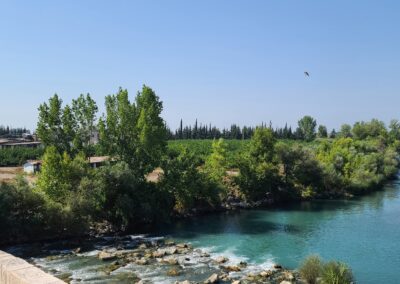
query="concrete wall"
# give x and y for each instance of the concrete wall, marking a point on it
(14, 270)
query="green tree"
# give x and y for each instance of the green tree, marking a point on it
(262, 145)
(189, 187)
(322, 131)
(345, 131)
(259, 172)
(306, 128)
(394, 132)
(84, 109)
(151, 129)
(50, 124)
(216, 164)
(134, 133)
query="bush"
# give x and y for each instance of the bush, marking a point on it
(335, 272)
(187, 185)
(311, 269)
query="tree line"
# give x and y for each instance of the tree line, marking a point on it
(70, 198)
(8, 132)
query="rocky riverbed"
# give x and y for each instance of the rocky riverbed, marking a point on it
(139, 259)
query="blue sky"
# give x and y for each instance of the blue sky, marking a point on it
(218, 61)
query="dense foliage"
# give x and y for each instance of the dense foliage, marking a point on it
(69, 197)
(18, 156)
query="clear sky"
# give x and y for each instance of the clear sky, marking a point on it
(218, 61)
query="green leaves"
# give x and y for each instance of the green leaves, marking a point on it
(306, 128)
(134, 132)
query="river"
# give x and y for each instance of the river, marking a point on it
(363, 232)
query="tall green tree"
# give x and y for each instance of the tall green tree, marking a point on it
(50, 124)
(345, 131)
(216, 164)
(322, 131)
(306, 128)
(134, 132)
(84, 109)
(151, 129)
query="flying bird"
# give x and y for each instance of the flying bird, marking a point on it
(306, 73)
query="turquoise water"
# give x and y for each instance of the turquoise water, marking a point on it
(364, 233)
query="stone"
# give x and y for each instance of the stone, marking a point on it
(277, 266)
(289, 276)
(171, 261)
(169, 243)
(159, 253)
(142, 261)
(231, 268)
(173, 272)
(236, 282)
(142, 246)
(243, 264)
(171, 250)
(266, 273)
(183, 282)
(212, 279)
(285, 282)
(103, 255)
(221, 259)
(182, 245)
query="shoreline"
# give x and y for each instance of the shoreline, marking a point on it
(226, 207)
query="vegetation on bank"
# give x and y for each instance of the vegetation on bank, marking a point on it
(313, 270)
(70, 198)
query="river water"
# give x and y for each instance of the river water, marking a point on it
(363, 232)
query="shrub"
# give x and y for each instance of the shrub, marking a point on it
(335, 272)
(311, 269)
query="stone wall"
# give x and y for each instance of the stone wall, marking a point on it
(14, 270)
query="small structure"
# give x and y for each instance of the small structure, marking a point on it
(96, 162)
(32, 166)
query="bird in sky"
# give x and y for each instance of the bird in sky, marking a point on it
(306, 73)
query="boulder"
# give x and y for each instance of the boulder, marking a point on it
(159, 253)
(236, 282)
(212, 279)
(171, 261)
(173, 272)
(182, 245)
(277, 266)
(103, 255)
(231, 268)
(142, 261)
(266, 273)
(221, 259)
(142, 246)
(289, 276)
(243, 264)
(285, 282)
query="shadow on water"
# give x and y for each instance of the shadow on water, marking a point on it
(287, 218)
(244, 222)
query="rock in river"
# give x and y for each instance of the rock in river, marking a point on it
(103, 255)
(212, 279)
